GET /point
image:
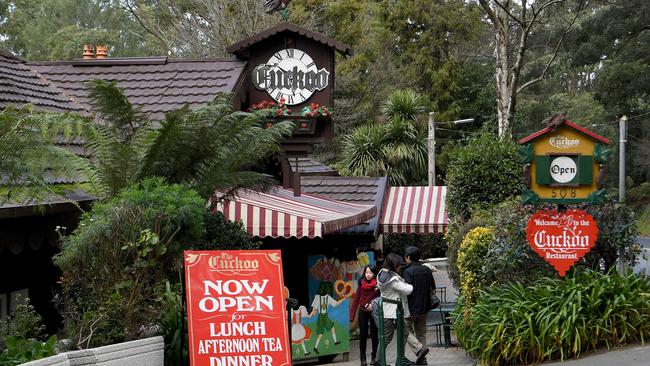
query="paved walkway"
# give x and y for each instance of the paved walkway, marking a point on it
(633, 355)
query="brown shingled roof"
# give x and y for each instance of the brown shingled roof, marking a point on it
(308, 166)
(241, 47)
(19, 85)
(156, 85)
(359, 190)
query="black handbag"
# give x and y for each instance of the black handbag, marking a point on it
(434, 301)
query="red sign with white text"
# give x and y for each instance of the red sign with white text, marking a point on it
(561, 238)
(236, 310)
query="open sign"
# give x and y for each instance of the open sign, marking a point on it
(563, 169)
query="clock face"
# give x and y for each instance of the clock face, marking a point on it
(290, 76)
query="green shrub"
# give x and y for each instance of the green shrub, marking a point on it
(510, 257)
(223, 234)
(173, 323)
(24, 322)
(639, 195)
(431, 245)
(116, 263)
(471, 257)
(617, 233)
(455, 235)
(481, 174)
(555, 318)
(20, 350)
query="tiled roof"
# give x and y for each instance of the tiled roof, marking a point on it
(12, 209)
(359, 190)
(308, 166)
(240, 48)
(566, 122)
(155, 85)
(20, 85)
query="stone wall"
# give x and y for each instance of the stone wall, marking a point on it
(143, 352)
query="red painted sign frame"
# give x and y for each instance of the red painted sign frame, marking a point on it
(236, 308)
(561, 238)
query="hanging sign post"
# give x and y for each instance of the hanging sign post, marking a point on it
(564, 164)
(561, 238)
(236, 308)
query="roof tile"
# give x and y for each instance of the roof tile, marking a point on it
(155, 87)
(20, 85)
(360, 190)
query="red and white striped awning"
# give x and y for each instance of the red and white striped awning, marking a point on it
(419, 210)
(278, 213)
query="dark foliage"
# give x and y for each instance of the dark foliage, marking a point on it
(223, 234)
(482, 174)
(431, 246)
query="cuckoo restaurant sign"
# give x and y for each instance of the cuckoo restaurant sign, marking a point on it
(236, 308)
(290, 74)
(561, 238)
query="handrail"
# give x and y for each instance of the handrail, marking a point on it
(399, 329)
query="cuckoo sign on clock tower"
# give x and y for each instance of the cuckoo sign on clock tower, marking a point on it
(294, 67)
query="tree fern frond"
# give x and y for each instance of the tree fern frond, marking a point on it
(111, 103)
(30, 157)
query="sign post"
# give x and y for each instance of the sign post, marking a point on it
(236, 308)
(564, 163)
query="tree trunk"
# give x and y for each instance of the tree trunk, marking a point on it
(505, 89)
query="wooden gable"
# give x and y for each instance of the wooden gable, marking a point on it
(294, 66)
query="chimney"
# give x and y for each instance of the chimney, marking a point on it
(101, 51)
(88, 52)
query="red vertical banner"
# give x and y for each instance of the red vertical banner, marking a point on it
(236, 309)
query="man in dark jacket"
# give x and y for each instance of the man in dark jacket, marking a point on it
(416, 274)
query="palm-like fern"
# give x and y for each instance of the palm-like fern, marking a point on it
(396, 148)
(208, 148)
(403, 104)
(29, 154)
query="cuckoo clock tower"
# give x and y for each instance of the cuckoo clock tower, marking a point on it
(290, 73)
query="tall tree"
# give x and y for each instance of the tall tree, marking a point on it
(58, 29)
(200, 28)
(513, 25)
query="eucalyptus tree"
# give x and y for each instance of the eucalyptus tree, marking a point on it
(513, 23)
(200, 28)
(58, 29)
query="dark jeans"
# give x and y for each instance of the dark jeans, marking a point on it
(365, 318)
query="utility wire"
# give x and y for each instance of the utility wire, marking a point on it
(639, 115)
(452, 130)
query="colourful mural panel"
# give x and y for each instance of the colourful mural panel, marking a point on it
(325, 329)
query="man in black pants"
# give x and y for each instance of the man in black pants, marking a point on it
(421, 278)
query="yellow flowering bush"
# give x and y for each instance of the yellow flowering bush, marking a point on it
(471, 257)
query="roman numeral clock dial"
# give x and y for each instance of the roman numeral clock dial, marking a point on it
(290, 75)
